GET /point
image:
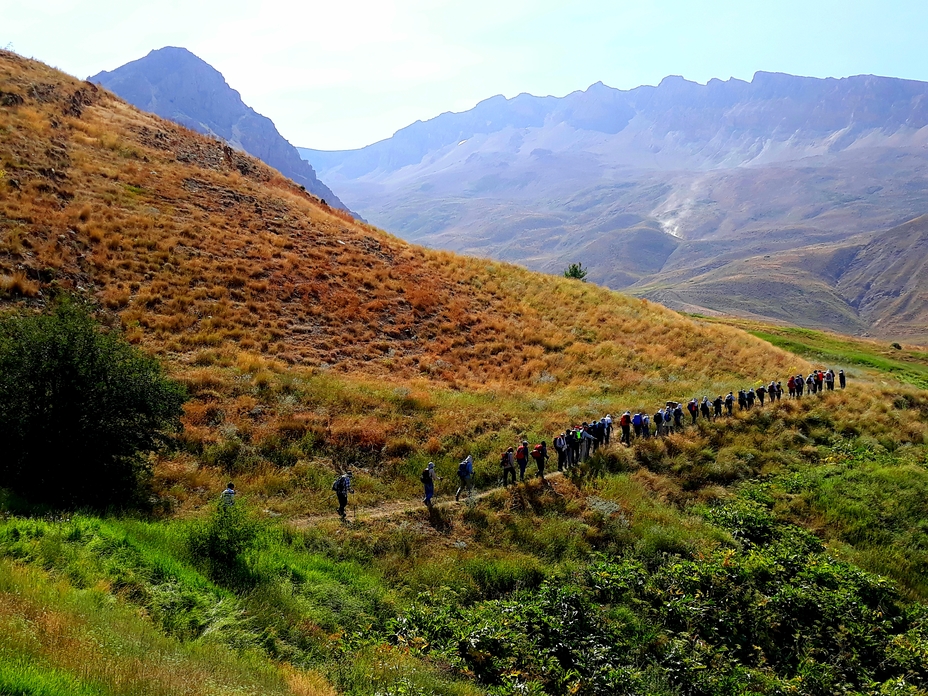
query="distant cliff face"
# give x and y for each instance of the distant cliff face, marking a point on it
(693, 195)
(177, 85)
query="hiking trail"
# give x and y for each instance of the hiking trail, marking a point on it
(400, 507)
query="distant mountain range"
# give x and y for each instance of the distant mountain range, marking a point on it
(791, 198)
(177, 85)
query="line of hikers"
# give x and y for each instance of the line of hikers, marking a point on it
(577, 443)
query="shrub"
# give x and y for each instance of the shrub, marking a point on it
(221, 541)
(79, 406)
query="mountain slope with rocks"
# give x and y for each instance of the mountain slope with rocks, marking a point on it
(175, 84)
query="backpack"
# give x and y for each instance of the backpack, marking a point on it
(520, 453)
(462, 468)
(339, 485)
(425, 478)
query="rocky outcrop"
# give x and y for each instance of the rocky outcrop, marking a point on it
(175, 84)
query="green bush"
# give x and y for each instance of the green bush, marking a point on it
(221, 542)
(79, 407)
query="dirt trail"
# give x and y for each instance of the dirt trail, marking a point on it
(403, 506)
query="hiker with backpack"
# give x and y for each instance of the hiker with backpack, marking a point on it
(636, 424)
(830, 380)
(342, 487)
(751, 397)
(466, 478)
(560, 446)
(625, 423)
(508, 463)
(646, 426)
(678, 416)
(842, 379)
(575, 442)
(693, 407)
(742, 399)
(704, 408)
(227, 497)
(428, 483)
(540, 454)
(659, 422)
(718, 406)
(800, 386)
(730, 403)
(522, 458)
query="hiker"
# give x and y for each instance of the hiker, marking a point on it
(522, 459)
(576, 441)
(810, 383)
(646, 426)
(636, 424)
(842, 379)
(678, 416)
(830, 380)
(625, 422)
(761, 393)
(791, 385)
(742, 400)
(428, 483)
(540, 455)
(587, 443)
(718, 406)
(704, 407)
(466, 477)
(819, 381)
(751, 397)
(509, 466)
(778, 387)
(800, 386)
(730, 402)
(693, 408)
(560, 446)
(659, 422)
(227, 497)
(608, 423)
(342, 488)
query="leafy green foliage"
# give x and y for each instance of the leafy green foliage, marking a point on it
(766, 620)
(78, 408)
(221, 542)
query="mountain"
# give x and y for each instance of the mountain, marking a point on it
(177, 85)
(665, 190)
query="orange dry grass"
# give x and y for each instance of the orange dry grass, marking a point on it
(197, 246)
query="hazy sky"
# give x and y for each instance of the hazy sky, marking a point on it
(345, 73)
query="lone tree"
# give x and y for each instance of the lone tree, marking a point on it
(79, 409)
(576, 270)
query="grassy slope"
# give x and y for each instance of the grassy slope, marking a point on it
(303, 353)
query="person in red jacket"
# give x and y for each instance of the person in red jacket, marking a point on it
(522, 459)
(626, 423)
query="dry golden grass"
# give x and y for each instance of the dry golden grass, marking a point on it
(197, 246)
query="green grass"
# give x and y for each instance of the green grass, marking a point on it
(909, 366)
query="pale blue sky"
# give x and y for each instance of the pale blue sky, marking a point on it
(345, 73)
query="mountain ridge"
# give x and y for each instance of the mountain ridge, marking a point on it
(655, 185)
(176, 84)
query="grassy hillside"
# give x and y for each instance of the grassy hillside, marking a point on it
(781, 550)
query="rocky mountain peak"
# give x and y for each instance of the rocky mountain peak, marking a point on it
(177, 85)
